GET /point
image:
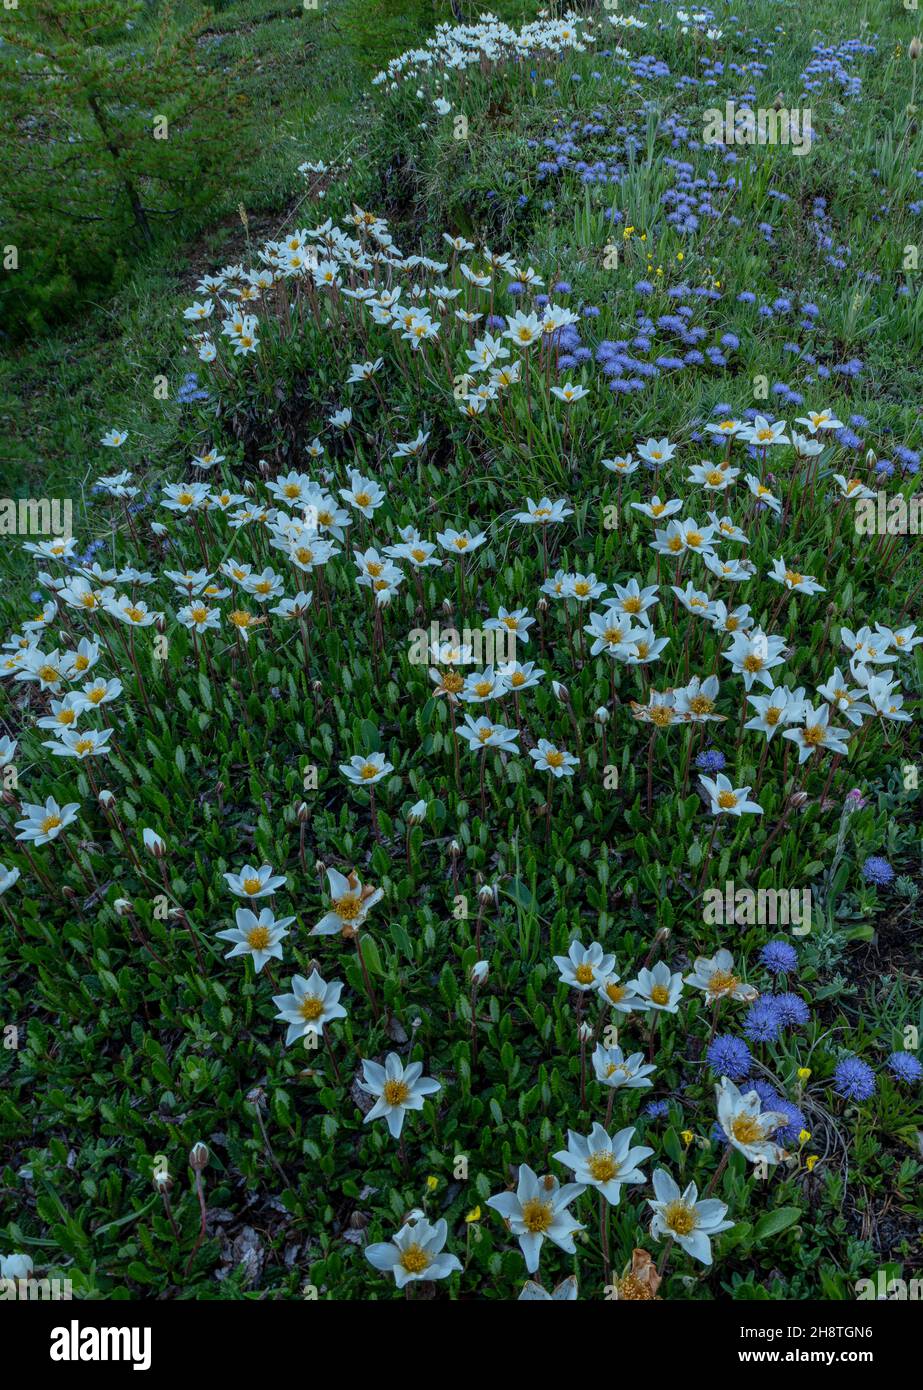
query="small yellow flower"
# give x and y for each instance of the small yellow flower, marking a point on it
(432, 1183)
(804, 1136)
(804, 1073)
(473, 1215)
(687, 1137)
(810, 1161)
(680, 256)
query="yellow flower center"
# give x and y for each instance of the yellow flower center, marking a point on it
(311, 1008)
(553, 758)
(537, 1215)
(396, 1092)
(814, 734)
(362, 499)
(348, 907)
(50, 823)
(240, 618)
(727, 800)
(452, 682)
(701, 704)
(584, 974)
(680, 1219)
(252, 885)
(49, 673)
(772, 715)
(483, 688)
(83, 745)
(66, 716)
(258, 938)
(414, 1259)
(660, 994)
(602, 1166)
(793, 576)
(752, 662)
(368, 771)
(722, 982)
(135, 614)
(615, 993)
(747, 1129)
(198, 615)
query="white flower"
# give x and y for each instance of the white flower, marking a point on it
(614, 1069)
(73, 744)
(311, 1004)
(565, 1292)
(690, 1222)
(259, 937)
(7, 877)
(793, 580)
(254, 883)
(763, 434)
(557, 761)
(16, 1266)
(45, 823)
(537, 1211)
(714, 975)
(350, 905)
(584, 966)
(569, 392)
(656, 451)
(816, 733)
(819, 420)
(481, 733)
(397, 1089)
(728, 800)
(747, 1125)
(603, 1162)
(414, 1252)
(365, 771)
(659, 989)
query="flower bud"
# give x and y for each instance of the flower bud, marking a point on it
(198, 1157)
(602, 715)
(913, 52)
(154, 844)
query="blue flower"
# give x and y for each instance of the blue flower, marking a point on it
(876, 869)
(712, 760)
(729, 1056)
(905, 1066)
(657, 1109)
(791, 1009)
(762, 1022)
(779, 957)
(853, 1079)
